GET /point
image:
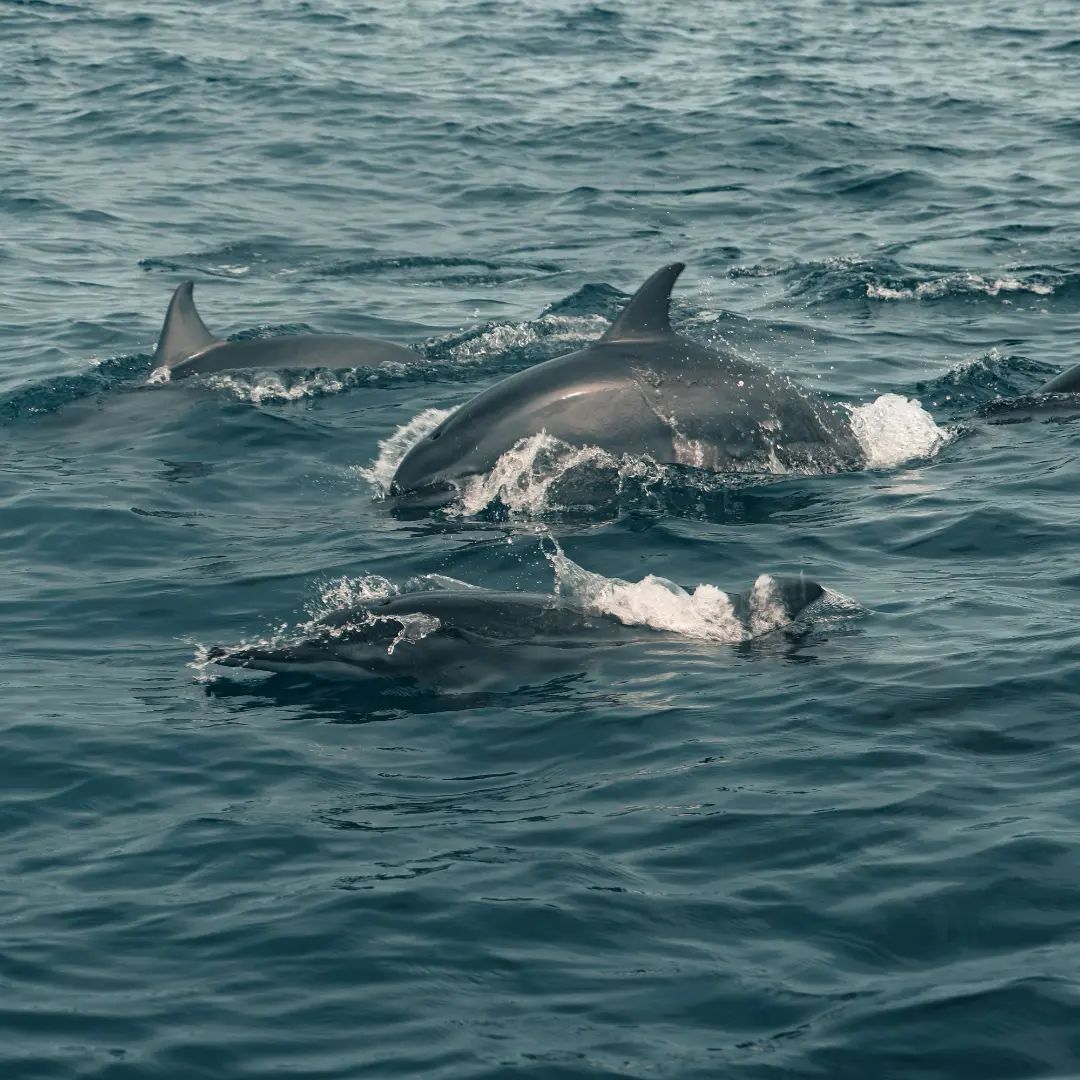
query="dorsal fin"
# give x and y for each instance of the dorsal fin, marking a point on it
(646, 312)
(1068, 382)
(183, 333)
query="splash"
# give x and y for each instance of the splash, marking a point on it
(704, 613)
(159, 376)
(346, 592)
(393, 449)
(267, 388)
(893, 429)
(523, 478)
(540, 339)
(335, 595)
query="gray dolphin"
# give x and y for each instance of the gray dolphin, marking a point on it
(1067, 382)
(186, 347)
(438, 634)
(642, 389)
(1058, 399)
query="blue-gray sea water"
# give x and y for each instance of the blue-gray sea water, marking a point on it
(849, 849)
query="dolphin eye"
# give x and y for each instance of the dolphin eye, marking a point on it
(435, 435)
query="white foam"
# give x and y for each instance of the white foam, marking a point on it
(347, 592)
(267, 388)
(705, 613)
(522, 477)
(959, 283)
(159, 376)
(767, 611)
(894, 429)
(520, 337)
(392, 449)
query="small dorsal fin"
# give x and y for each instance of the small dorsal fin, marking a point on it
(183, 334)
(1068, 382)
(646, 312)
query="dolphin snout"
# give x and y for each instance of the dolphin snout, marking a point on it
(426, 495)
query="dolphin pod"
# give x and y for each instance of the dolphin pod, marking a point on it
(433, 635)
(186, 346)
(641, 389)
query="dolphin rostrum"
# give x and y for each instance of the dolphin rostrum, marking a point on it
(642, 389)
(437, 635)
(186, 347)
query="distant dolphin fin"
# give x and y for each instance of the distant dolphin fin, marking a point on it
(1068, 382)
(646, 314)
(183, 333)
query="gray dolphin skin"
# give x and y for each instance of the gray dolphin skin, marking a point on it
(186, 347)
(642, 389)
(1068, 382)
(475, 631)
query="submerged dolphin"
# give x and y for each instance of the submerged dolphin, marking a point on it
(472, 633)
(186, 347)
(642, 389)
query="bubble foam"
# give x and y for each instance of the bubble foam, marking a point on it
(894, 429)
(704, 613)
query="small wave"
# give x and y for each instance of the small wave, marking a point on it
(268, 387)
(440, 269)
(395, 447)
(233, 260)
(959, 284)
(988, 377)
(849, 278)
(893, 429)
(50, 395)
(530, 342)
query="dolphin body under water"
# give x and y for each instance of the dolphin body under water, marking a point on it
(642, 389)
(186, 347)
(432, 636)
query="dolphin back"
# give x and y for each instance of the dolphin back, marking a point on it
(1068, 382)
(183, 333)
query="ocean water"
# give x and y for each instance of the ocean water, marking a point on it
(844, 849)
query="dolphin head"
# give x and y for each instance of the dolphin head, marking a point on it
(433, 468)
(797, 594)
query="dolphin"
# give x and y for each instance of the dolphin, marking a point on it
(642, 389)
(431, 636)
(186, 347)
(1056, 400)
(1067, 382)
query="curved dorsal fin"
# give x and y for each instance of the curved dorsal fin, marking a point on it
(646, 312)
(1068, 382)
(183, 333)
